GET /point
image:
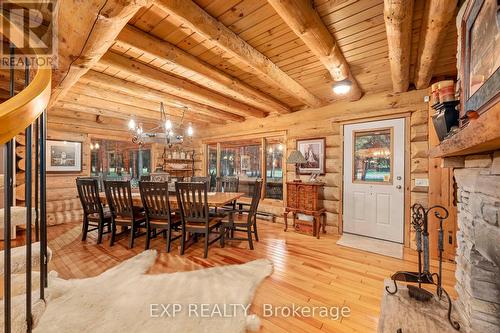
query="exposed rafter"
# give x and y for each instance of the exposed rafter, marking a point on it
(103, 81)
(303, 19)
(181, 87)
(398, 15)
(437, 15)
(160, 49)
(203, 23)
(85, 37)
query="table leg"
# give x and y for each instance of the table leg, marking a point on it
(316, 226)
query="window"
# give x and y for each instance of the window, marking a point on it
(372, 156)
(274, 169)
(119, 160)
(249, 160)
(242, 159)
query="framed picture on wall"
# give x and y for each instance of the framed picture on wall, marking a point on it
(480, 68)
(314, 153)
(64, 156)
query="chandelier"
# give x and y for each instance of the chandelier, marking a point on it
(166, 132)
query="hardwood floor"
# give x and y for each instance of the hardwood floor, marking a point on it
(307, 272)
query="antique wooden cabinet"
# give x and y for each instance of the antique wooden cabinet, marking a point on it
(303, 197)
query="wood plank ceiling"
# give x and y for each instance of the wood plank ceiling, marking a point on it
(138, 72)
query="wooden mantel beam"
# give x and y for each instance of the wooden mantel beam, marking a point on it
(224, 83)
(86, 30)
(398, 16)
(194, 17)
(303, 19)
(437, 15)
(107, 82)
(182, 87)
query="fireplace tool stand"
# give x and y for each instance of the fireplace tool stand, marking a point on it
(424, 276)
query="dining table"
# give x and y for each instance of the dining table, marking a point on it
(215, 199)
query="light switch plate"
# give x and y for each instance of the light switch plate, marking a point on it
(426, 99)
(422, 182)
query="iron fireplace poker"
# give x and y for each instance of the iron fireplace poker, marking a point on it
(423, 275)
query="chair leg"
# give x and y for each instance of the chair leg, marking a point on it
(183, 240)
(222, 231)
(169, 236)
(113, 233)
(255, 230)
(249, 233)
(205, 254)
(148, 236)
(100, 230)
(85, 227)
(132, 233)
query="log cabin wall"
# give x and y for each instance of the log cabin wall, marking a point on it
(326, 122)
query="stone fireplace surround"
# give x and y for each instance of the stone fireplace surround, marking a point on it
(478, 242)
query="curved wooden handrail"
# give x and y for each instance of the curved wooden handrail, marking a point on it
(21, 110)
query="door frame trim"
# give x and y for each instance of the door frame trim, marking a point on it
(407, 199)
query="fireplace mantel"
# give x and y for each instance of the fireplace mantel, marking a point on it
(480, 135)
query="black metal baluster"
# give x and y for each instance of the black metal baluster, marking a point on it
(27, 198)
(7, 213)
(37, 160)
(43, 205)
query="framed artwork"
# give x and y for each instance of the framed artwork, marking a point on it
(314, 153)
(480, 74)
(64, 156)
(245, 162)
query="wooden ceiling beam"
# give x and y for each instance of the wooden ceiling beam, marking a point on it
(226, 84)
(182, 87)
(86, 30)
(194, 17)
(134, 110)
(70, 109)
(437, 15)
(118, 97)
(398, 16)
(303, 19)
(101, 80)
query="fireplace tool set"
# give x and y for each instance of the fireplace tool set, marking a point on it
(424, 276)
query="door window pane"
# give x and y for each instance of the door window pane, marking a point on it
(212, 164)
(274, 169)
(372, 156)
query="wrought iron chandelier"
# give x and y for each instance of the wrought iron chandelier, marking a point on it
(166, 132)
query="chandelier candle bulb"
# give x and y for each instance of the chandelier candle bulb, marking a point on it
(131, 124)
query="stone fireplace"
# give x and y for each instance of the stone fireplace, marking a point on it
(478, 239)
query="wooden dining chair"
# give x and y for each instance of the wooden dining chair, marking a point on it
(95, 216)
(159, 216)
(228, 184)
(119, 198)
(192, 200)
(249, 225)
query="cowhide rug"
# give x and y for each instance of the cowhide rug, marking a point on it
(124, 299)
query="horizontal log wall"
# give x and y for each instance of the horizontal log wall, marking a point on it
(326, 122)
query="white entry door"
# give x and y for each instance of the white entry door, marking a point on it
(374, 170)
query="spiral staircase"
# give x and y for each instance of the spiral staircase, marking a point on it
(24, 113)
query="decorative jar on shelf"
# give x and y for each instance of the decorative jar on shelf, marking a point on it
(169, 156)
(183, 155)
(175, 155)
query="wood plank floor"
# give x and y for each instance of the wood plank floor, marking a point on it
(307, 272)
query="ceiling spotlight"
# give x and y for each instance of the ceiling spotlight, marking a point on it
(342, 87)
(190, 130)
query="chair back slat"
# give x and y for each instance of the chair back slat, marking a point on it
(119, 197)
(254, 205)
(155, 199)
(193, 201)
(88, 192)
(228, 184)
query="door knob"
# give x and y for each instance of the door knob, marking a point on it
(398, 187)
